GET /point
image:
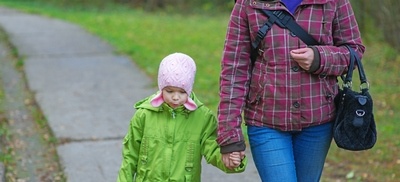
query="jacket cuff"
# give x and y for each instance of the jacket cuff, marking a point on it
(316, 62)
(233, 147)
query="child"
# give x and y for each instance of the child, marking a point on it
(172, 130)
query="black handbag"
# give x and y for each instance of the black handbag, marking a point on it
(354, 128)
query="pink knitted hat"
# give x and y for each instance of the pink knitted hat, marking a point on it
(176, 70)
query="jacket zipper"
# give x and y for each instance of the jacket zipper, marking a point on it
(173, 114)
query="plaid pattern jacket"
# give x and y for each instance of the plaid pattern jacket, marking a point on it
(277, 92)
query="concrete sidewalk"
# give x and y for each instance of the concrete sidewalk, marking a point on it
(86, 93)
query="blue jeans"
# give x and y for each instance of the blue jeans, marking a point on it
(290, 156)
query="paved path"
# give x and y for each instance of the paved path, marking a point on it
(86, 92)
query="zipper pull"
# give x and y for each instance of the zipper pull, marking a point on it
(173, 114)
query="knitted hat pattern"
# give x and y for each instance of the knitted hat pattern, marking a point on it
(176, 70)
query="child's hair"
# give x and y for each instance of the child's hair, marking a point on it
(176, 70)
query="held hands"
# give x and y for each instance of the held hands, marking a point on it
(233, 160)
(303, 56)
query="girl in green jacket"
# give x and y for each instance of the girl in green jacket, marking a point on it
(172, 130)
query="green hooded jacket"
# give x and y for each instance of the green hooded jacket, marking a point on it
(165, 144)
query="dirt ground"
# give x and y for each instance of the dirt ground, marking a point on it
(28, 143)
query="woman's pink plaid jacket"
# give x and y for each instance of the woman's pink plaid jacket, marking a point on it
(277, 92)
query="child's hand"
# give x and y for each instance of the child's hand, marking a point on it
(236, 158)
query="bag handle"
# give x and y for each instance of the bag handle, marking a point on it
(355, 59)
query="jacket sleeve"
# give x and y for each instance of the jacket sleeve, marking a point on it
(235, 77)
(335, 59)
(130, 148)
(211, 150)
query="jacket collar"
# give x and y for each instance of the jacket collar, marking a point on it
(276, 5)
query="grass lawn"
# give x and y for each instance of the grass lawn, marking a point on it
(147, 37)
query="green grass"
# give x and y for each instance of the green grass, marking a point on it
(5, 135)
(147, 37)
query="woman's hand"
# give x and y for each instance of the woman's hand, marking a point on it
(304, 57)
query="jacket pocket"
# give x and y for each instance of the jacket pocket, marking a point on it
(141, 175)
(330, 87)
(253, 96)
(256, 85)
(188, 178)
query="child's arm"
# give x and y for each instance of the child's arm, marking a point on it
(130, 149)
(211, 150)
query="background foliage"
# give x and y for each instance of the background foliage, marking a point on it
(382, 17)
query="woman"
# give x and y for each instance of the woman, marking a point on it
(287, 95)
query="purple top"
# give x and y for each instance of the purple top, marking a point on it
(292, 4)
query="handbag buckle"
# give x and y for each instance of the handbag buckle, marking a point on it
(360, 112)
(260, 52)
(348, 84)
(364, 86)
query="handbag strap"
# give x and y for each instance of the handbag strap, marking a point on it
(287, 21)
(355, 59)
(262, 32)
(283, 20)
